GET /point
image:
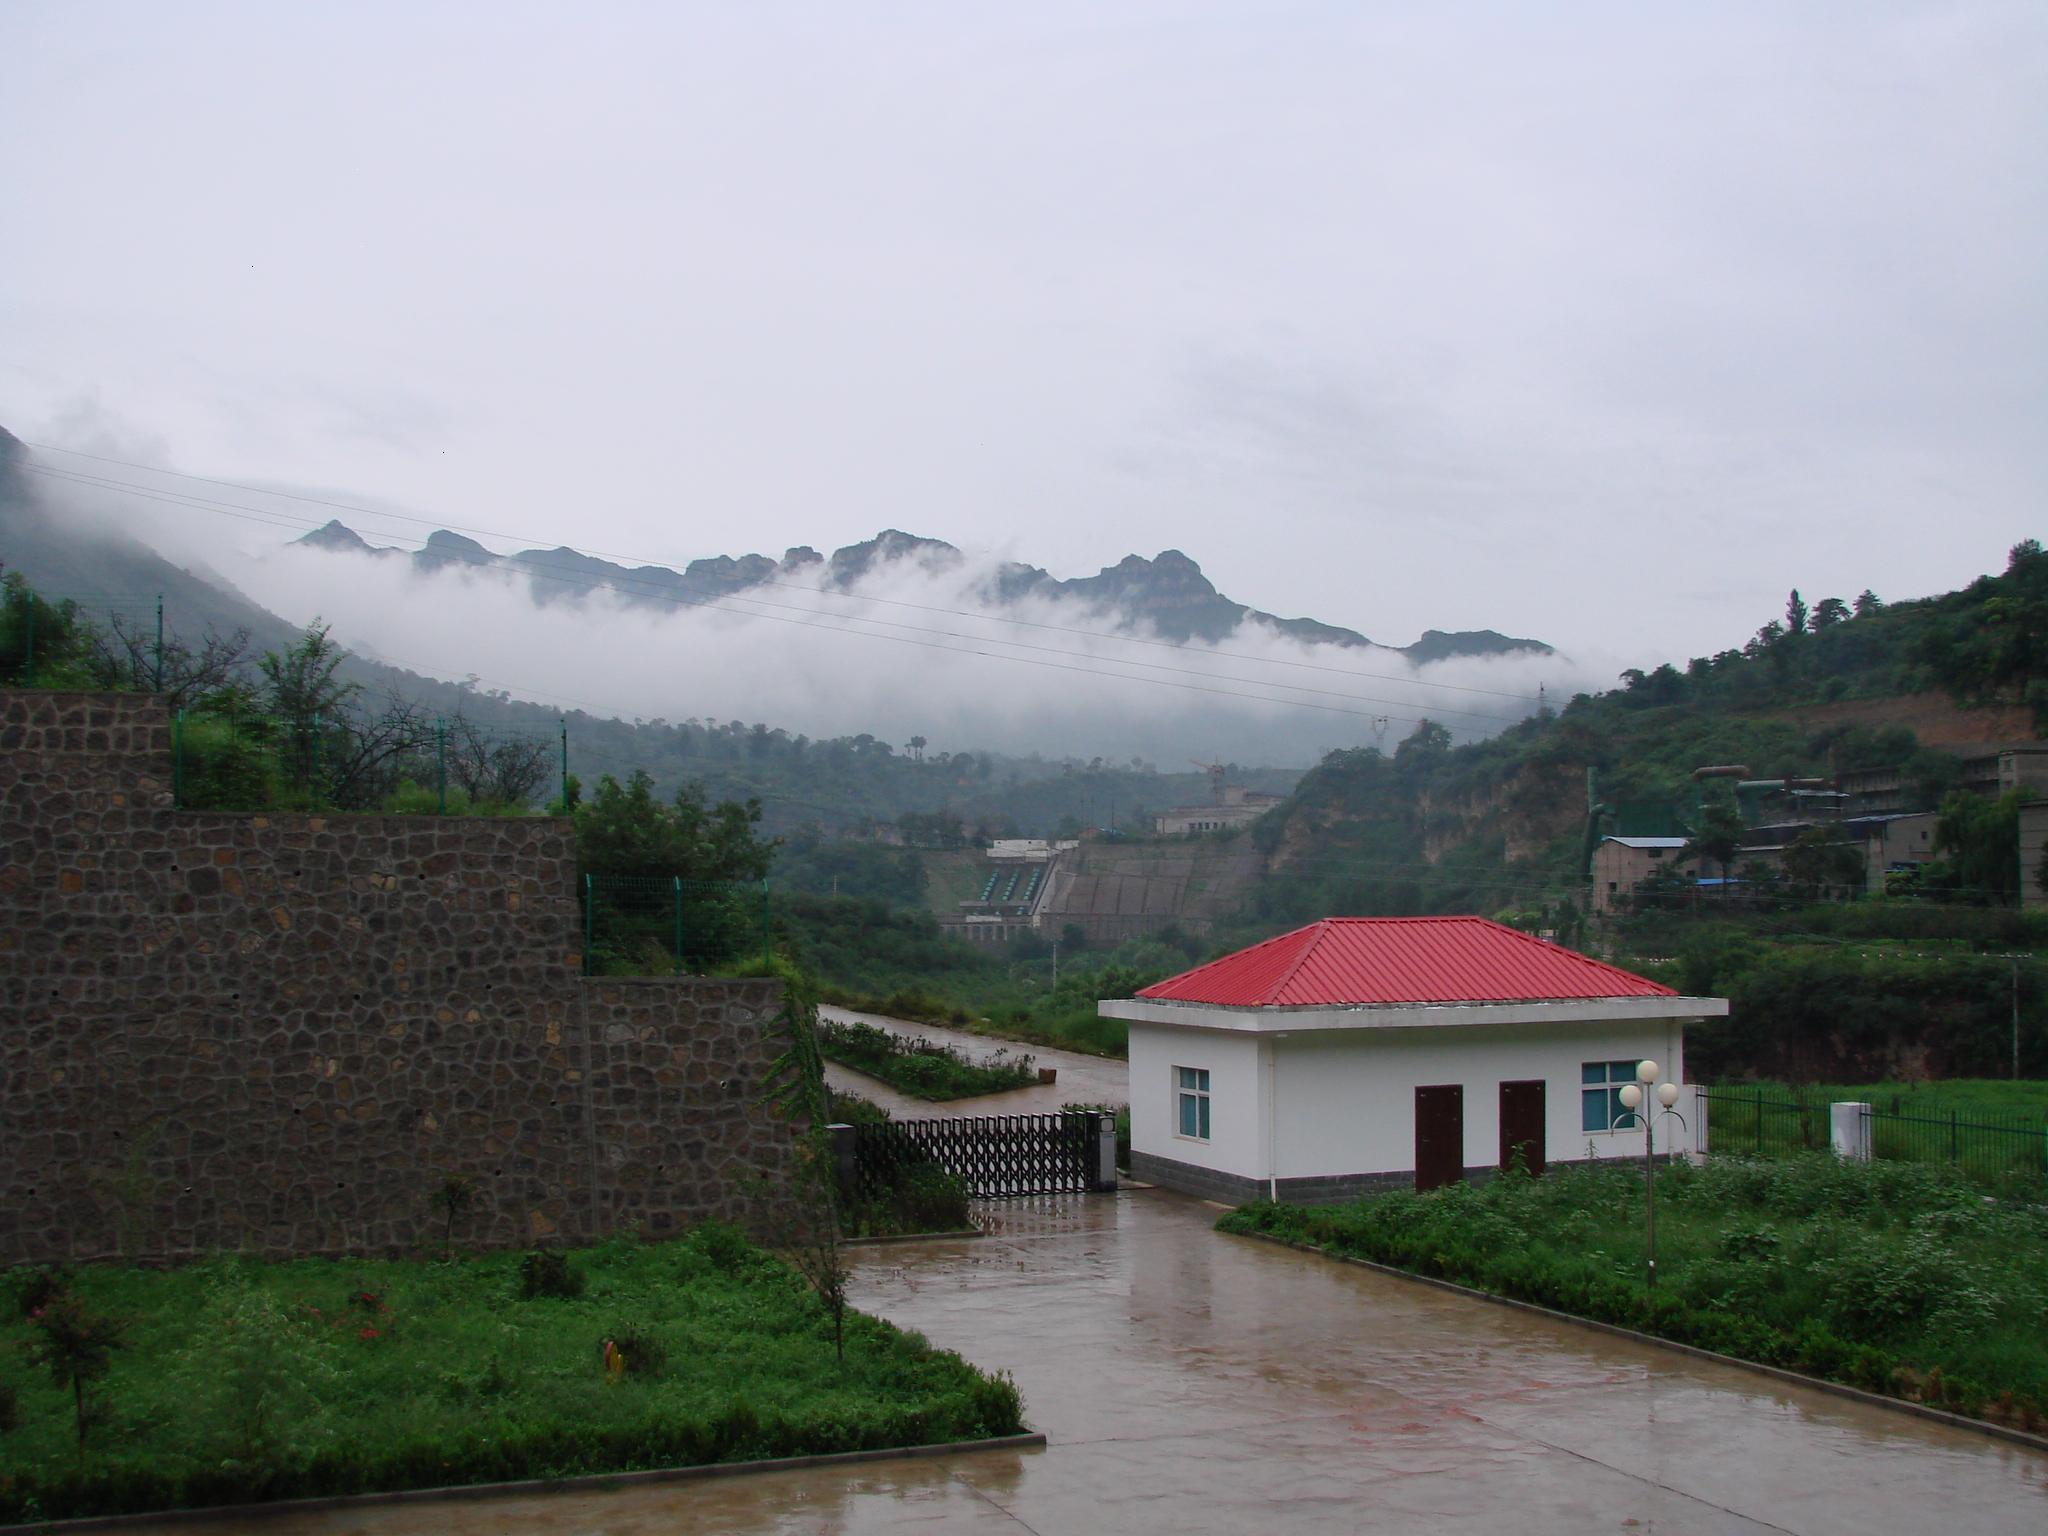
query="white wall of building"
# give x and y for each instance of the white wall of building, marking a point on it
(1236, 1127)
(1343, 1101)
(2033, 834)
(1347, 1105)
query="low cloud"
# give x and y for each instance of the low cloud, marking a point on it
(908, 650)
(900, 654)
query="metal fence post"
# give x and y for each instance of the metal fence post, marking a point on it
(676, 882)
(157, 679)
(587, 904)
(1100, 1154)
(1759, 1122)
(845, 1162)
(440, 767)
(29, 665)
(767, 934)
(1955, 1137)
(178, 759)
(565, 765)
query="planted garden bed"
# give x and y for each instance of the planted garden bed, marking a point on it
(1897, 1278)
(924, 1069)
(235, 1381)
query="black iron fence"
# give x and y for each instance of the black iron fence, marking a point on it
(1759, 1123)
(995, 1156)
(1986, 1147)
(1753, 1122)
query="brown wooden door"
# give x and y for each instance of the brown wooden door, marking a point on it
(1521, 1124)
(1439, 1135)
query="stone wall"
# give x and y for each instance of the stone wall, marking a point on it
(281, 1033)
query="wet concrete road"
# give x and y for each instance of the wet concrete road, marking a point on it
(1193, 1383)
(1082, 1079)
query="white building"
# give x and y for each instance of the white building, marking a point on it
(1620, 864)
(1374, 1053)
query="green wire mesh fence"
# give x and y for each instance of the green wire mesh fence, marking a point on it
(86, 640)
(408, 765)
(639, 925)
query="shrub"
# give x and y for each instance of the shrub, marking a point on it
(1751, 1241)
(929, 1199)
(548, 1272)
(36, 1288)
(1894, 1277)
(642, 1350)
(724, 1246)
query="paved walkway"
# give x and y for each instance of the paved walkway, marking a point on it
(1194, 1383)
(1082, 1079)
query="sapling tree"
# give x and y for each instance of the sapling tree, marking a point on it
(811, 1221)
(495, 772)
(453, 1198)
(76, 1346)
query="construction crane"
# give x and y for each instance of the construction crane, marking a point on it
(1215, 772)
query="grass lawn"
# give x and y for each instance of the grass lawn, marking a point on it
(921, 1068)
(241, 1381)
(1899, 1278)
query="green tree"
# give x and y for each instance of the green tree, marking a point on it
(1795, 614)
(303, 683)
(1829, 612)
(1718, 837)
(1979, 841)
(1819, 864)
(624, 830)
(42, 644)
(339, 751)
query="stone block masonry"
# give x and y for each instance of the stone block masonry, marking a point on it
(281, 1033)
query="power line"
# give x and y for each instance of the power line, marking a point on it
(837, 623)
(1117, 638)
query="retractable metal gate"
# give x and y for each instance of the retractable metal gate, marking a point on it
(996, 1156)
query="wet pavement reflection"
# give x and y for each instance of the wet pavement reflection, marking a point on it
(1189, 1382)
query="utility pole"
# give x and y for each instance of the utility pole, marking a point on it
(1055, 962)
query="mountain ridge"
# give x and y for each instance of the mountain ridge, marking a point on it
(1167, 592)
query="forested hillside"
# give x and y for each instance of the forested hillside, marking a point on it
(1502, 823)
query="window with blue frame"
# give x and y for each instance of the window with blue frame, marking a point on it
(1600, 1097)
(1191, 1092)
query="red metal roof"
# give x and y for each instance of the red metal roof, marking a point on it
(1345, 962)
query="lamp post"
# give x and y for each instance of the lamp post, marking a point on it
(1634, 1098)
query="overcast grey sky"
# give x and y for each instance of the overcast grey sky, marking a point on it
(1599, 323)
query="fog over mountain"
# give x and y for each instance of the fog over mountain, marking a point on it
(897, 636)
